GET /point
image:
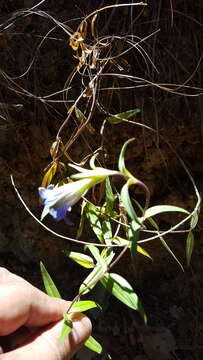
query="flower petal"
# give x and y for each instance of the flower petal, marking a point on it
(59, 213)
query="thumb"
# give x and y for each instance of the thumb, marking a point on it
(46, 344)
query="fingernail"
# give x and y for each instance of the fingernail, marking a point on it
(81, 327)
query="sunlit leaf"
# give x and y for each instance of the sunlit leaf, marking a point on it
(49, 175)
(91, 280)
(108, 254)
(155, 225)
(49, 285)
(95, 346)
(122, 290)
(194, 219)
(133, 235)
(144, 252)
(82, 259)
(95, 252)
(110, 197)
(107, 231)
(126, 200)
(92, 215)
(121, 161)
(118, 118)
(67, 327)
(189, 247)
(149, 219)
(82, 306)
(119, 240)
(154, 210)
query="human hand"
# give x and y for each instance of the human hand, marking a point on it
(31, 322)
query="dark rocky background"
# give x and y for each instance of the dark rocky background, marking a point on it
(28, 126)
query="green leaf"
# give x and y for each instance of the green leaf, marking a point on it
(164, 243)
(126, 200)
(144, 252)
(110, 197)
(107, 231)
(151, 221)
(155, 225)
(67, 327)
(82, 259)
(121, 161)
(82, 218)
(82, 306)
(194, 219)
(92, 215)
(95, 252)
(49, 285)
(90, 280)
(118, 118)
(95, 346)
(119, 240)
(154, 210)
(189, 247)
(122, 290)
(133, 235)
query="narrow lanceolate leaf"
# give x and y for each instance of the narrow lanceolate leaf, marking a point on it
(110, 197)
(119, 240)
(91, 280)
(92, 215)
(164, 243)
(95, 252)
(82, 306)
(107, 231)
(95, 346)
(122, 290)
(133, 235)
(49, 285)
(67, 327)
(151, 221)
(126, 200)
(194, 219)
(154, 210)
(49, 175)
(82, 259)
(121, 161)
(144, 252)
(116, 119)
(189, 247)
(82, 220)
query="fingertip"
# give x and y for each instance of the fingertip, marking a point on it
(82, 327)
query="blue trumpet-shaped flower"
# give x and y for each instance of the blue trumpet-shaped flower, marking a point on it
(57, 200)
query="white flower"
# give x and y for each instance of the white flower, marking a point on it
(57, 200)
